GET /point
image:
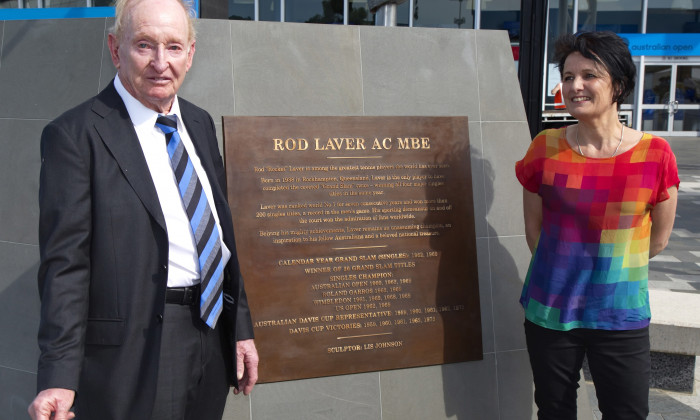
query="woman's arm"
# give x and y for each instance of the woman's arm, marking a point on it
(532, 209)
(662, 217)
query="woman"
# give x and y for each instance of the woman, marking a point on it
(591, 191)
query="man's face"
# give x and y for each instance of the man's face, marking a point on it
(154, 52)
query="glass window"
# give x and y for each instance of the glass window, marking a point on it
(689, 84)
(23, 4)
(65, 3)
(620, 16)
(657, 90)
(443, 13)
(35, 4)
(270, 10)
(241, 9)
(687, 93)
(502, 14)
(9, 4)
(314, 11)
(359, 14)
(402, 13)
(561, 20)
(673, 16)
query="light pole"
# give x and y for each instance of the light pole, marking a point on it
(385, 11)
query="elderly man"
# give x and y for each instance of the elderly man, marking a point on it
(143, 312)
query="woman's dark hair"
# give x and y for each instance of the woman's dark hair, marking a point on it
(608, 50)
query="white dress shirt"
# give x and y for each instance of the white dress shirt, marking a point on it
(183, 262)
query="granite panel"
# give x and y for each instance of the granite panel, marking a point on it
(209, 83)
(107, 69)
(17, 390)
(49, 66)
(515, 388)
(499, 89)
(20, 162)
(485, 295)
(509, 260)
(218, 125)
(460, 390)
(244, 68)
(19, 306)
(2, 37)
(335, 397)
(296, 69)
(504, 144)
(419, 71)
(482, 180)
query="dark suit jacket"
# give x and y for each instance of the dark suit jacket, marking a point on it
(104, 258)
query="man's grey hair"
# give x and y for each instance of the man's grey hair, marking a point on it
(122, 13)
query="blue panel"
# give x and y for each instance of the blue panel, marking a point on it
(56, 13)
(664, 44)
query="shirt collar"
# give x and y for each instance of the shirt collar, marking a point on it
(138, 112)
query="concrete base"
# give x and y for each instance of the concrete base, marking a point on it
(672, 372)
(675, 340)
(674, 328)
(669, 372)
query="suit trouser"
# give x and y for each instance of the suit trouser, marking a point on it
(619, 362)
(192, 376)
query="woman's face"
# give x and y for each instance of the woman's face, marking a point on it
(587, 88)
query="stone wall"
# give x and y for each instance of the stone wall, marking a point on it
(258, 68)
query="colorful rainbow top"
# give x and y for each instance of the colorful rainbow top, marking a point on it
(590, 268)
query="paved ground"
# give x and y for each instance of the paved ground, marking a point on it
(677, 269)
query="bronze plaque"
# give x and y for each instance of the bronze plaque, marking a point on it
(356, 241)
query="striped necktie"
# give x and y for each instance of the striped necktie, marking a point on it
(202, 222)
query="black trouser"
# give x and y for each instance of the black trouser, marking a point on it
(192, 378)
(619, 362)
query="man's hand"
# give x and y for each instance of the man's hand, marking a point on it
(53, 404)
(246, 366)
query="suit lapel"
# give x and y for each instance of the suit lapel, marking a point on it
(198, 127)
(198, 134)
(118, 135)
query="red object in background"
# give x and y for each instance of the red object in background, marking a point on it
(558, 99)
(516, 52)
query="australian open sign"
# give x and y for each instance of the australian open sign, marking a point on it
(664, 44)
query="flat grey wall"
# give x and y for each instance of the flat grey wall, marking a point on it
(257, 68)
